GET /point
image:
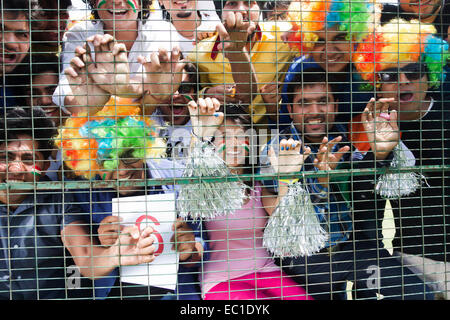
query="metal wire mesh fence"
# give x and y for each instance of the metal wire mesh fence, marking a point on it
(224, 150)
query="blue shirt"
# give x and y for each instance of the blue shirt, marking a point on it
(333, 212)
(32, 255)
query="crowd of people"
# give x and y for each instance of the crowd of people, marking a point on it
(283, 129)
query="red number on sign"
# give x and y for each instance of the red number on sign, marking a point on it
(155, 232)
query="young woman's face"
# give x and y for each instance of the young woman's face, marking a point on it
(118, 14)
(232, 144)
(40, 95)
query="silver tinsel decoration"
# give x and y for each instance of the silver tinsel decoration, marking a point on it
(393, 184)
(294, 229)
(207, 200)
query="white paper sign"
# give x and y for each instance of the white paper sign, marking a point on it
(158, 212)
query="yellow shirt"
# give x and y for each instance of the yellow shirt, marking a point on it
(269, 56)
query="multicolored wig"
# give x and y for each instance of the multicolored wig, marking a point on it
(401, 41)
(356, 17)
(95, 143)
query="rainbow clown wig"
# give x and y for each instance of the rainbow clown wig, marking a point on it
(356, 17)
(401, 41)
(94, 143)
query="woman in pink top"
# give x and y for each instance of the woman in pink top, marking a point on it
(238, 267)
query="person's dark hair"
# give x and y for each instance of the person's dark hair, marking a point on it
(29, 8)
(28, 121)
(270, 6)
(143, 14)
(239, 116)
(312, 76)
(43, 63)
(62, 4)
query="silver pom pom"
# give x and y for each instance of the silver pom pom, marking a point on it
(294, 229)
(207, 200)
(393, 184)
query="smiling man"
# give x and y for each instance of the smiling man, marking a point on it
(436, 12)
(15, 20)
(53, 21)
(325, 33)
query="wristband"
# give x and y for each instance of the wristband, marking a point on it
(288, 181)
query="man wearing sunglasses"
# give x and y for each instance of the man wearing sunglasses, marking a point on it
(413, 77)
(408, 85)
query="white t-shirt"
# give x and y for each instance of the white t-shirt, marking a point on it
(151, 36)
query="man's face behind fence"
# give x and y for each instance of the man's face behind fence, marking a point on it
(422, 8)
(130, 169)
(313, 110)
(15, 40)
(332, 51)
(180, 9)
(20, 161)
(408, 85)
(40, 95)
(118, 14)
(249, 9)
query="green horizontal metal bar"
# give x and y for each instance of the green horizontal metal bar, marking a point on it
(95, 184)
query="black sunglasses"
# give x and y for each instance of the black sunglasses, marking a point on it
(413, 71)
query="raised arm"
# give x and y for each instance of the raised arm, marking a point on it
(162, 77)
(381, 127)
(290, 160)
(234, 34)
(85, 94)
